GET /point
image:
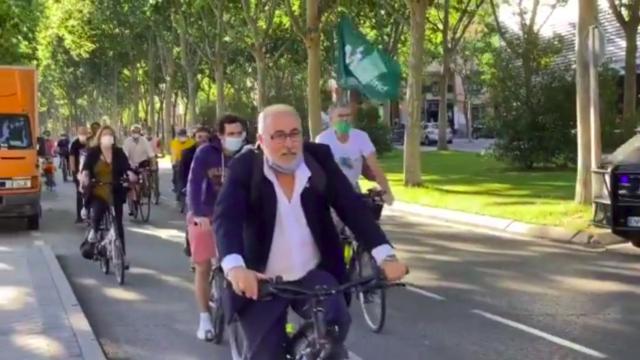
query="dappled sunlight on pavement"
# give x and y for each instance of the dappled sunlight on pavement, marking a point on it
(596, 286)
(163, 233)
(33, 321)
(522, 286)
(38, 345)
(169, 279)
(481, 248)
(13, 297)
(119, 293)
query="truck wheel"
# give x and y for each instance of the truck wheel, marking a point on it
(33, 222)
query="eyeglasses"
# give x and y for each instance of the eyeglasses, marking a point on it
(280, 137)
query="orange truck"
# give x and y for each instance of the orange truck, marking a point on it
(19, 166)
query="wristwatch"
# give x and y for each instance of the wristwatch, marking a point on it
(391, 257)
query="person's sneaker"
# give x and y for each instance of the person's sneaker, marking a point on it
(92, 238)
(83, 214)
(340, 352)
(205, 329)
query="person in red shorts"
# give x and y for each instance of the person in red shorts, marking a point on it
(206, 175)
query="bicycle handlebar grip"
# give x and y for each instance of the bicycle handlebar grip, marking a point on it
(265, 291)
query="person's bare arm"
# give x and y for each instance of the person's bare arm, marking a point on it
(380, 177)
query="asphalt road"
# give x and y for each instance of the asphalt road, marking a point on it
(474, 294)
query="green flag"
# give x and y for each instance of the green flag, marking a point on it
(361, 66)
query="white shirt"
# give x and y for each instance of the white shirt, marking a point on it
(350, 155)
(293, 250)
(139, 151)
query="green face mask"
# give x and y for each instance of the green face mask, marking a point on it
(342, 127)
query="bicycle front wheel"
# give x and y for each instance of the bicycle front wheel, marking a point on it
(301, 344)
(373, 302)
(104, 264)
(237, 341)
(118, 260)
(133, 207)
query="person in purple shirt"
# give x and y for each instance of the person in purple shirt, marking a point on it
(205, 179)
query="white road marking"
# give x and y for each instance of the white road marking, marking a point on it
(353, 356)
(542, 334)
(426, 293)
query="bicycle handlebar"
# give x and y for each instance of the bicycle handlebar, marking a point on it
(282, 289)
(375, 195)
(124, 182)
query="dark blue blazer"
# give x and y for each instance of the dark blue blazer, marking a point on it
(245, 226)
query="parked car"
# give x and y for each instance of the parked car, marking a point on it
(397, 134)
(481, 130)
(430, 134)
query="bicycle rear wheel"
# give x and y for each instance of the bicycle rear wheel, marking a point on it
(144, 202)
(65, 172)
(373, 302)
(217, 284)
(183, 203)
(155, 188)
(118, 260)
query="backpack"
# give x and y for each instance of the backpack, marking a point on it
(317, 181)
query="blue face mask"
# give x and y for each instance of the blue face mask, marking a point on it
(285, 169)
(233, 144)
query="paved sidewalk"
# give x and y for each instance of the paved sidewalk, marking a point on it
(590, 237)
(40, 317)
(464, 145)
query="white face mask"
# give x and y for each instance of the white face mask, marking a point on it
(233, 144)
(135, 136)
(106, 140)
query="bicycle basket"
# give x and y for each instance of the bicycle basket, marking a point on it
(87, 249)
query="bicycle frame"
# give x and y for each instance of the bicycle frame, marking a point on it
(144, 175)
(373, 198)
(49, 179)
(110, 241)
(107, 226)
(320, 344)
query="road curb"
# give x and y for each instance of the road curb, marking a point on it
(590, 238)
(87, 341)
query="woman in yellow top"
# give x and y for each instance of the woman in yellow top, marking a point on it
(178, 145)
(107, 164)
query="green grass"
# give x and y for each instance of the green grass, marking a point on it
(482, 185)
